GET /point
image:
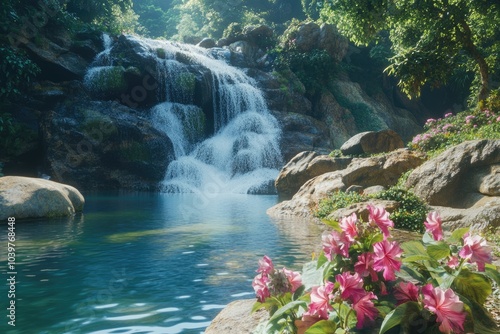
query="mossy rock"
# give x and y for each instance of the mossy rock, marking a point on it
(106, 81)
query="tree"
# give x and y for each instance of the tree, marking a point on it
(430, 38)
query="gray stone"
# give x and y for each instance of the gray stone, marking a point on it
(445, 180)
(207, 43)
(303, 167)
(371, 142)
(237, 318)
(378, 170)
(25, 197)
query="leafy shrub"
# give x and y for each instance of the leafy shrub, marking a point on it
(452, 129)
(314, 69)
(16, 73)
(411, 211)
(409, 215)
(338, 200)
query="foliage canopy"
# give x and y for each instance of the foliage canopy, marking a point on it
(431, 39)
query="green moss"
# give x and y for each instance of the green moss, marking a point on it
(97, 126)
(133, 151)
(187, 82)
(105, 81)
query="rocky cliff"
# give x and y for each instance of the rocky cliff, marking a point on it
(93, 129)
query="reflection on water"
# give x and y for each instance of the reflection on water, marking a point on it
(146, 263)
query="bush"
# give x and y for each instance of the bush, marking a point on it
(408, 216)
(314, 69)
(411, 211)
(16, 73)
(452, 129)
(338, 200)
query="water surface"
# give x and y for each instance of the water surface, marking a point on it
(143, 263)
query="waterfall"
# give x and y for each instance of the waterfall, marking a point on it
(240, 151)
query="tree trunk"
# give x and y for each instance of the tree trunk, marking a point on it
(471, 49)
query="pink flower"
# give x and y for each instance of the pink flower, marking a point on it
(406, 292)
(433, 226)
(364, 266)
(351, 286)
(453, 262)
(265, 265)
(387, 258)
(476, 250)
(379, 216)
(320, 301)
(447, 307)
(335, 243)
(294, 278)
(259, 285)
(348, 225)
(365, 310)
(448, 115)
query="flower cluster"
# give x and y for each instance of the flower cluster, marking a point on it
(271, 282)
(453, 129)
(365, 278)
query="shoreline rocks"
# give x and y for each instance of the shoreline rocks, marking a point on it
(26, 197)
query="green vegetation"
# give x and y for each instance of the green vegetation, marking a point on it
(450, 130)
(431, 40)
(409, 215)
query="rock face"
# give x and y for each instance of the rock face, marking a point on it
(366, 172)
(461, 176)
(24, 197)
(237, 318)
(311, 36)
(303, 167)
(371, 142)
(105, 145)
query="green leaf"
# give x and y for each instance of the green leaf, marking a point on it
(398, 316)
(290, 306)
(492, 272)
(457, 235)
(408, 273)
(414, 258)
(322, 327)
(299, 292)
(438, 250)
(313, 275)
(483, 323)
(413, 248)
(473, 286)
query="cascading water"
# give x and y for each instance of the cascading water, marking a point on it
(242, 154)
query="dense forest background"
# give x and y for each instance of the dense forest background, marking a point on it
(422, 43)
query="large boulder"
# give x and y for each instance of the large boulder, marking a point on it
(461, 176)
(371, 142)
(303, 167)
(382, 170)
(105, 145)
(25, 197)
(237, 317)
